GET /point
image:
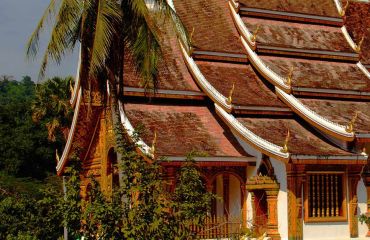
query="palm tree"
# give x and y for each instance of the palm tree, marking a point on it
(106, 29)
(51, 104)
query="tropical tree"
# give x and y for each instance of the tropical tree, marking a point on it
(51, 104)
(106, 29)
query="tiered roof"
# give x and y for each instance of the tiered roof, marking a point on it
(265, 108)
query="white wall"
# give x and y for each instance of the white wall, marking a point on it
(234, 197)
(280, 173)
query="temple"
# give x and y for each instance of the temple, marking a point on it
(274, 94)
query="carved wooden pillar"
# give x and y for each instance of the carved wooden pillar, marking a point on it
(353, 179)
(272, 221)
(295, 177)
(243, 196)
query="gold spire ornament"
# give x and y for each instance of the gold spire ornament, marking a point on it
(358, 46)
(286, 141)
(344, 9)
(70, 87)
(57, 155)
(191, 49)
(254, 37)
(349, 127)
(290, 77)
(229, 100)
(152, 148)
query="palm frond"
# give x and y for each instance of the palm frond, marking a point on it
(61, 39)
(108, 12)
(33, 42)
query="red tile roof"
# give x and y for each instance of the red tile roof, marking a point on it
(172, 71)
(320, 74)
(249, 89)
(342, 112)
(358, 24)
(302, 141)
(181, 129)
(213, 26)
(312, 7)
(298, 35)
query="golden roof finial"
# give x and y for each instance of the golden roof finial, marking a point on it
(349, 127)
(286, 141)
(57, 155)
(290, 76)
(152, 148)
(358, 46)
(254, 37)
(191, 42)
(344, 9)
(70, 87)
(229, 100)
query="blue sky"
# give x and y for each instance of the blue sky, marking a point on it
(18, 19)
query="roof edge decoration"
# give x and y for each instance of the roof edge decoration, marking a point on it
(210, 91)
(314, 159)
(71, 133)
(334, 129)
(242, 29)
(76, 86)
(363, 69)
(349, 39)
(131, 131)
(339, 7)
(261, 144)
(265, 71)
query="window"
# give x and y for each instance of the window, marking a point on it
(325, 197)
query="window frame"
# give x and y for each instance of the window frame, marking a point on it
(344, 216)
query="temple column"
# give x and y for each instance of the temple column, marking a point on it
(295, 177)
(243, 196)
(353, 179)
(272, 206)
(226, 183)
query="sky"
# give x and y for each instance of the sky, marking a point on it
(18, 19)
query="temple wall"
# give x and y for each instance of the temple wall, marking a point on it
(280, 172)
(362, 206)
(235, 197)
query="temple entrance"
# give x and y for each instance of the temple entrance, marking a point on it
(264, 190)
(261, 215)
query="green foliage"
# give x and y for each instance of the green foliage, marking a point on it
(192, 201)
(363, 218)
(24, 149)
(51, 106)
(29, 209)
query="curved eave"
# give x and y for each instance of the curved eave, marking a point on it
(242, 29)
(76, 86)
(349, 39)
(248, 136)
(267, 73)
(63, 160)
(144, 148)
(207, 88)
(333, 129)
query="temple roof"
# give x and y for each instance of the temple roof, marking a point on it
(312, 7)
(302, 140)
(212, 24)
(182, 129)
(342, 112)
(318, 74)
(266, 100)
(249, 90)
(291, 35)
